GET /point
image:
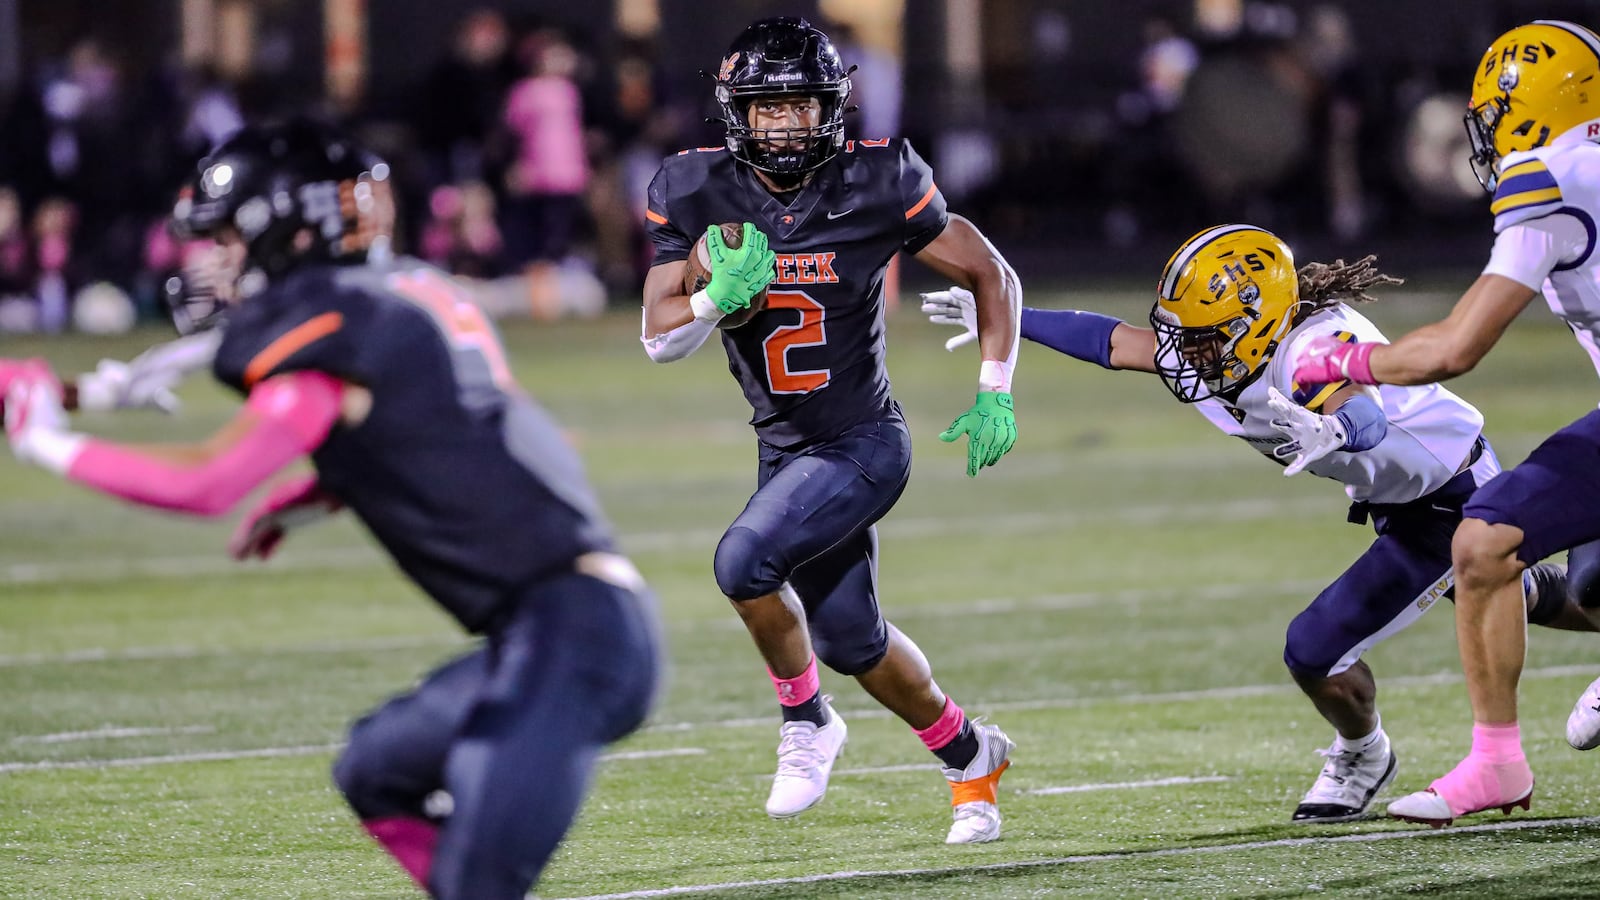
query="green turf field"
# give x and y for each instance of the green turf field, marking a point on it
(1114, 594)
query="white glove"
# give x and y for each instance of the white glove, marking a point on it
(953, 307)
(37, 425)
(1311, 436)
(147, 380)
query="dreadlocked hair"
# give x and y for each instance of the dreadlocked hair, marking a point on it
(1324, 284)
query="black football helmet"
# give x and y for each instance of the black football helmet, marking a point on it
(296, 192)
(783, 55)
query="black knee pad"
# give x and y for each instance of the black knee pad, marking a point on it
(1551, 588)
(1583, 585)
(743, 566)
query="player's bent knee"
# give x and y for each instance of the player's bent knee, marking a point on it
(369, 790)
(1306, 651)
(1480, 548)
(850, 658)
(743, 567)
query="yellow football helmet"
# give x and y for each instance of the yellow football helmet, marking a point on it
(1535, 82)
(1226, 299)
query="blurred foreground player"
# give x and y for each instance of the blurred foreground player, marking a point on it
(822, 218)
(397, 389)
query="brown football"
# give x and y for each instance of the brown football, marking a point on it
(698, 272)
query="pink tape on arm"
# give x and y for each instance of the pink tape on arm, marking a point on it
(294, 414)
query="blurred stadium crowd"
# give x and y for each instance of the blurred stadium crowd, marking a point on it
(522, 151)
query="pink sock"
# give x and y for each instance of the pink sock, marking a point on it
(1497, 744)
(409, 841)
(1495, 773)
(945, 729)
(799, 689)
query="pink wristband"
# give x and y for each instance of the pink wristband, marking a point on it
(1357, 363)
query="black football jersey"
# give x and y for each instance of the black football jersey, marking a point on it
(469, 485)
(812, 363)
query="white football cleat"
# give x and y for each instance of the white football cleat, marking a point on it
(1349, 780)
(973, 790)
(1583, 725)
(1423, 807)
(1428, 808)
(805, 758)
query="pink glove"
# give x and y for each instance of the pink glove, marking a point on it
(11, 369)
(291, 504)
(1328, 360)
(34, 398)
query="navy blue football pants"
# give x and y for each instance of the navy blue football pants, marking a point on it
(511, 732)
(1398, 578)
(1554, 497)
(810, 523)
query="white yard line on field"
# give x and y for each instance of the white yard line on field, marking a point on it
(1115, 856)
(982, 606)
(109, 732)
(1217, 693)
(183, 651)
(302, 560)
(1222, 693)
(1128, 785)
(51, 765)
(1064, 789)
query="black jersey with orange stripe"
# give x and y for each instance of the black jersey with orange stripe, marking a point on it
(468, 483)
(812, 363)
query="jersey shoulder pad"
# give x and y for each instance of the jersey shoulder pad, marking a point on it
(675, 195)
(1333, 322)
(1527, 190)
(298, 324)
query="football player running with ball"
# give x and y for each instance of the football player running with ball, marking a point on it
(823, 216)
(1230, 312)
(396, 388)
(1534, 120)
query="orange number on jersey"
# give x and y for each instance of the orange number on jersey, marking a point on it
(809, 333)
(456, 315)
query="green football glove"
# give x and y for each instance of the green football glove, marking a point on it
(738, 275)
(990, 427)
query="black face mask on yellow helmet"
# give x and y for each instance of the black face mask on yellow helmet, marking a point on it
(1535, 83)
(1226, 298)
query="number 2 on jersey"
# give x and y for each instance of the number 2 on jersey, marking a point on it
(462, 322)
(809, 333)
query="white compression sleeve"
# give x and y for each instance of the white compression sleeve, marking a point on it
(677, 343)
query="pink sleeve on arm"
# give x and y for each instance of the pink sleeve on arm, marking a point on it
(295, 413)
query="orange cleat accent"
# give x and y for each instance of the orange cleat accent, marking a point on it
(983, 789)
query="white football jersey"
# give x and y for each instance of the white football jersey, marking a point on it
(1431, 430)
(1546, 207)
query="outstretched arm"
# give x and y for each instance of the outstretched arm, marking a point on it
(146, 380)
(285, 417)
(1524, 255)
(1103, 340)
(1456, 344)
